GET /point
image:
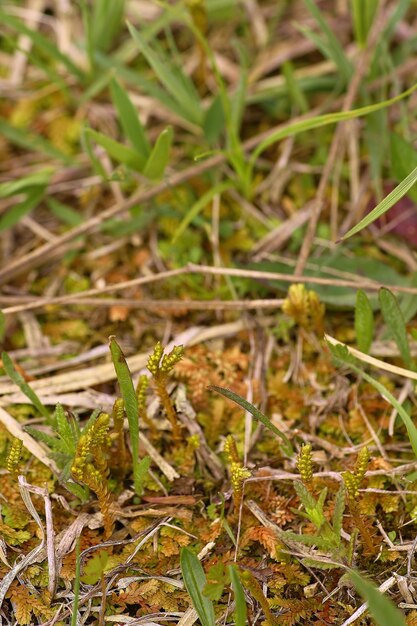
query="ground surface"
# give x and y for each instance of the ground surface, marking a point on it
(167, 172)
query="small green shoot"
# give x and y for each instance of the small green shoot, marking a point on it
(194, 581)
(364, 321)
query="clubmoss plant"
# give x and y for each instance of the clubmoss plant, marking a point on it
(90, 465)
(160, 366)
(141, 389)
(353, 481)
(238, 472)
(305, 465)
(118, 415)
(13, 457)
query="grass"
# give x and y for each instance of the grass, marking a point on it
(208, 304)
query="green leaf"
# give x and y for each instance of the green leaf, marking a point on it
(341, 354)
(106, 23)
(117, 151)
(364, 321)
(131, 407)
(173, 79)
(257, 414)
(19, 210)
(363, 13)
(64, 429)
(95, 567)
(129, 119)
(385, 204)
(380, 607)
(24, 387)
(22, 185)
(55, 444)
(45, 45)
(199, 206)
(194, 581)
(214, 120)
(328, 42)
(31, 141)
(403, 158)
(241, 609)
(64, 212)
(394, 320)
(158, 160)
(324, 120)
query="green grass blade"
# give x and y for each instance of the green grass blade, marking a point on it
(131, 406)
(38, 179)
(395, 321)
(31, 141)
(64, 212)
(175, 82)
(295, 92)
(330, 42)
(44, 44)
(19, 210)
(159, 157)
(383, 611)
(106, 23)
(117, 151)
(88, 148)
(363, 14)
(257, 414)
(24, 387)
(64, 429)
(325, 120)
(364, 321)
(341, 354)
(54, 444)
(129, 119)
(393, 197)
(241, 609)
(194, 581)
(199, 206)
(403, 158)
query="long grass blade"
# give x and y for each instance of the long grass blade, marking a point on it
(257, 414)
(341, 354)
(325, 120)
(393, 197)
(24, 387)
(380, 607)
